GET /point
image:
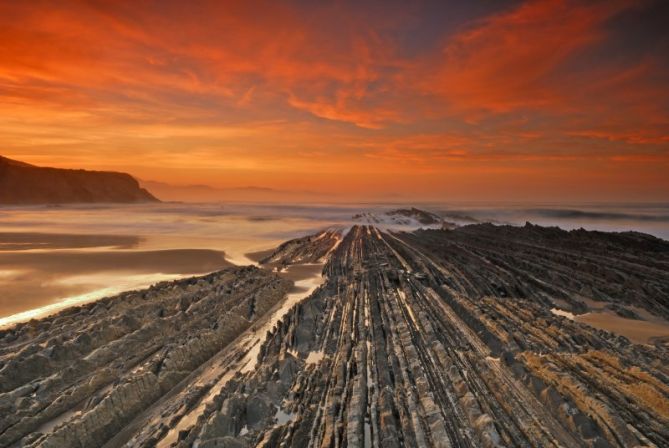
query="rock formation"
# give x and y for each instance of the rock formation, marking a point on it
(94, 368)
(402, 216)
(308, 249)
(438, 338)
(21, 183)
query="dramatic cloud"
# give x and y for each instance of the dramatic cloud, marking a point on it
(507, 61)
(493, 99)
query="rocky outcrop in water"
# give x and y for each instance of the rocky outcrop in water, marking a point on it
(438, 338)
(21, 184)
(422, 216)
(413, 216)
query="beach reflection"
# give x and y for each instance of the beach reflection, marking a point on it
(53, 257)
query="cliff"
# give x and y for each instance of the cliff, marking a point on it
(21, 183)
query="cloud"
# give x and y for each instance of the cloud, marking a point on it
(276, 93)
(509, 61)
(641, 137)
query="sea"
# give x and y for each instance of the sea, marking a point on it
(55, 257)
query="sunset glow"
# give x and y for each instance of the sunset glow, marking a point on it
(536, 100)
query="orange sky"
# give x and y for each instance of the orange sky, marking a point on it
(538, 100)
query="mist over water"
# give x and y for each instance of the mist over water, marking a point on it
(650, 218)
(54, 257)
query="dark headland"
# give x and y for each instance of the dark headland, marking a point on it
(25, 184)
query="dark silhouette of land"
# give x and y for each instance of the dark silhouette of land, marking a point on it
(25, 184)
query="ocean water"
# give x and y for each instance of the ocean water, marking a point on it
(55, 257)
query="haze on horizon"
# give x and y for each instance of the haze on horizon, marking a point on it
(515, 100)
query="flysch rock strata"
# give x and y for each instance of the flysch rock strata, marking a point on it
(76, 378)
(308, 249)
(428, 339)
(439, 338)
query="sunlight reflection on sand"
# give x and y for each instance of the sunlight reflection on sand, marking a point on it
(104, 232)
(126, 283)
(59, 257)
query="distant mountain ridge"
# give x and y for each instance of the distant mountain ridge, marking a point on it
(25, 184)
(207, 193)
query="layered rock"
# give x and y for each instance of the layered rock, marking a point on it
(80, 376)
(308, 249)
(440, 338)
(406, 348)
(413, 217)
(551, 266)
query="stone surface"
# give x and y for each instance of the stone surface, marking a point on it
(445, 338)
(438, 338)
(309, 249)
(90, 370)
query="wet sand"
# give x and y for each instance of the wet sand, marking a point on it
(35, 240)
(648, 329)
(32, 279)
(50, 256)
(639, 331)
(80, 294)
(257, 256)
(65, 262)
(297, 272)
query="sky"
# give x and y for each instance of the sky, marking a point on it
(486, 100)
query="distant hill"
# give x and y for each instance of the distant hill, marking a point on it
(206, 193)
(22, 184)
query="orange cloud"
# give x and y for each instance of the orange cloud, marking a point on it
(280, 93)
(641, 137)
(506, 61)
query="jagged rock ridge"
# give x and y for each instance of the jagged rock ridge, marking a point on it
(96, 367)
(308, 249)
(402, 347)
(433, 338)
(21, 183)
(402, 217)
